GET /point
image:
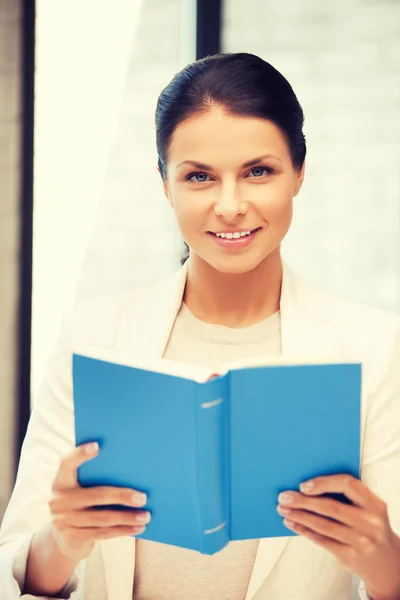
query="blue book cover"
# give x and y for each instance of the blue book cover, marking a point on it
(213, 455)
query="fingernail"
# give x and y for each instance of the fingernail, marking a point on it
(139, 498)
(137, 530)
(284, 511)
(289, 523)
(285, 498)
(306, 486)
(91, 448)
(145, 518)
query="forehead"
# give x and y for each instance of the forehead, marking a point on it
(205, 136)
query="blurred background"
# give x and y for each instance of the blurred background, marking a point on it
(81, 203)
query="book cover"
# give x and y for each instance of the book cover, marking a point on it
(214, 454)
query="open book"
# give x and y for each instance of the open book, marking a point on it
(213, 454)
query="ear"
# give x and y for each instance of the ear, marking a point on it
(165, 188)
(299, 180)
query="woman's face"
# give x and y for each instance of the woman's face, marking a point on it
(232, 175)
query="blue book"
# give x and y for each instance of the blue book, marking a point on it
(213, 454)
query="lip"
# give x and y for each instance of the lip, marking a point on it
(235, 243)
(233, 230)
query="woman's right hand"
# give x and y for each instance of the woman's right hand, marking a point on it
(76, 525)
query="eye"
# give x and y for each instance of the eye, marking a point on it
(200, 177)
(261, 171)
(255, 173)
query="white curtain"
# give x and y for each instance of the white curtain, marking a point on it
(101, 222)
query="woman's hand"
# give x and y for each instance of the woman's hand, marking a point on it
(75, 524)
(360, 536)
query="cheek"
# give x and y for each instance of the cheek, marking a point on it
(190, 210)
(276, 204)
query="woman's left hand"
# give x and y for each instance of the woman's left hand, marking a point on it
(360, 536)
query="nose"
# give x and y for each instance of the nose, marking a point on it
(229, 205)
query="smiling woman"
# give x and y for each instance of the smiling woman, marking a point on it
(231, 156)
(232, 159)
(236, 119)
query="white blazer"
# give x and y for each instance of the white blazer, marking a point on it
(313, 322)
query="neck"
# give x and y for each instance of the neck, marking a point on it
(234, 300)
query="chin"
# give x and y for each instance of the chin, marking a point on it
(235, 265)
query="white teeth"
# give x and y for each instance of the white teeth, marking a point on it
(235, 235)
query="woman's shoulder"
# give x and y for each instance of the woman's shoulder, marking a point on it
(347, 310)
(364, 315)
(98, 320)
(361, 329)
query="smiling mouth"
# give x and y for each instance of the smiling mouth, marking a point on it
(234, 240)
(234, 235)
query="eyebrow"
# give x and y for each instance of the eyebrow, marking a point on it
(248, 163)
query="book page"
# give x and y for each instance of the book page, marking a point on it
(285, 361)
(166, 366)
(199, 373)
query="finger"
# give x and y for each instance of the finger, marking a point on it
(85, 536)
(351, 487)
(355, 517)
(104, 518)
(337, 548)
(104, 534)
(67, 472)
(325, 527)
(78, 498)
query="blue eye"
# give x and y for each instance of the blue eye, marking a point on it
(198, 174)
(256, 173)
(261, 171)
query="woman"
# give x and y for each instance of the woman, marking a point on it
(231, 157)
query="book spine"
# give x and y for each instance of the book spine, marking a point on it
(212, 452)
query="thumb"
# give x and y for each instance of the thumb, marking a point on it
(67, 476)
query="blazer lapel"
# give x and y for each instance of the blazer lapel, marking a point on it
(149, 317)
(306, 329)
(118, 556)
(307, 319)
